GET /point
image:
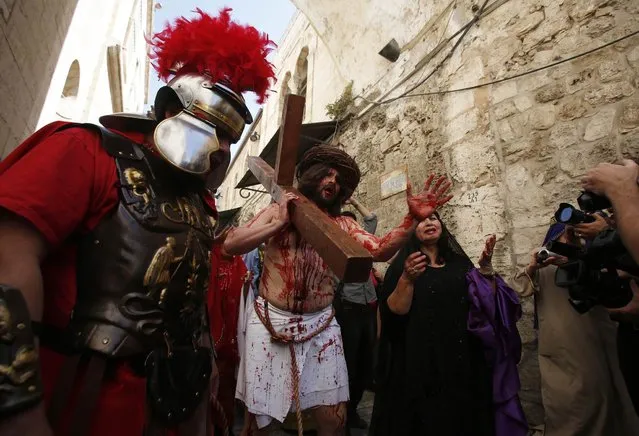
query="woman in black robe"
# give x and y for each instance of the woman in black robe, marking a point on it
(432, 374)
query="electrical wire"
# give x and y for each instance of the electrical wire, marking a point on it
(525, 73)
(441, 63)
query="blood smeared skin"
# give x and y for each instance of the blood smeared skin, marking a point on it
(294, 276)
(382, 248)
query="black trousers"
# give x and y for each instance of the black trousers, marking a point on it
(628, 351)
(357, 322)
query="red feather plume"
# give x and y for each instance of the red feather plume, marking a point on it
(230, 53)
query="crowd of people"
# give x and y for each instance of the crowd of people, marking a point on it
(124, 310)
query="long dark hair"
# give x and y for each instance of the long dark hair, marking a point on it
(309, 181)
(447, 246)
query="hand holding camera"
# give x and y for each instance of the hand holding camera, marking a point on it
(590, 230)
(541, 258)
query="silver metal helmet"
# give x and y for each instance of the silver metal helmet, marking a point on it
(207, 111)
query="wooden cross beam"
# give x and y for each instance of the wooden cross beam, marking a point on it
(344, 255)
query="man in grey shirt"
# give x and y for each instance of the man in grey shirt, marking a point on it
(355, 310)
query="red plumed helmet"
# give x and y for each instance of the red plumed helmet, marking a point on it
(227, 52)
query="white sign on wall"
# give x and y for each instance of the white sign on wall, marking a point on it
(394, 182)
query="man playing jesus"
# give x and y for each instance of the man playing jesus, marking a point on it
(293, 353)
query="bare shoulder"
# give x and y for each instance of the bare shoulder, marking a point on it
(346, 223)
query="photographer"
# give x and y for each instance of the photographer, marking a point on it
(583, 391)
(620, 183)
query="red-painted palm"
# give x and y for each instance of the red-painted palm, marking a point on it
(422, 205)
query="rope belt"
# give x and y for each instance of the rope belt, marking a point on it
(291, 341)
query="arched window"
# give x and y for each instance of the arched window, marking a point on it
(69, 97)
(301, 74)
(284, 91)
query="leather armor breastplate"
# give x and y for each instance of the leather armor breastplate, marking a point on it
(143, 273)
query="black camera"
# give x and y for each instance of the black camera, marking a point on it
(590, 275)
(588, 203)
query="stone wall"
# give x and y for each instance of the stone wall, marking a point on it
(31, 36)
(516, 149)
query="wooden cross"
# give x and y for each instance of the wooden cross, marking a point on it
(343, 254)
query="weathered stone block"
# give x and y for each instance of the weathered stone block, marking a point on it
(380, 136)
(458, 102)
(577, 82)
(611, 70)
(505, 132)
(523, 102)
(598, 26)
(572, 109)
(629, 146)
(600, 125)
(460, 126)
(581, 9)
(550, 93)
(629, 118)
(390, 141)
(503, 91)
(505, 109)
(473, 160)
(528, 23)
(542, 117)
(563, 135)
(577, 160)
(609, 92)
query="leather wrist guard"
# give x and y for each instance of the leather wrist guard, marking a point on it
(20, 384)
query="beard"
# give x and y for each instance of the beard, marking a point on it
(323, 202)
(332, 205)
(310, 185)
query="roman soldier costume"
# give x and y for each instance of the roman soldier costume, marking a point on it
(124, 343)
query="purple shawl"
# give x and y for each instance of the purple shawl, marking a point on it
(492, 318)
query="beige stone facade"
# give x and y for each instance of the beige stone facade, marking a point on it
(31, 36)
(515, 149)
(106, 73)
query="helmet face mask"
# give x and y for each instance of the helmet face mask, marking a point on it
(187, 142)
(209, 111)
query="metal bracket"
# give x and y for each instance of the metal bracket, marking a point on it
(244, 194)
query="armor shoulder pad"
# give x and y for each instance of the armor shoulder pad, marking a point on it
(118, 146)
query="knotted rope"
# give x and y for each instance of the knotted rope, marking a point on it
(290, 340)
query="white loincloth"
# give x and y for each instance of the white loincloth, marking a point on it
(265, 382)
(246, 304)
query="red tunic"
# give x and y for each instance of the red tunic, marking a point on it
(228, 276)
(65, 183)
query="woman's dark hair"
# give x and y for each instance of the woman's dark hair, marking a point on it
(447, 246)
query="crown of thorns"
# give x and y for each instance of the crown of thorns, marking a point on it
(334, 158)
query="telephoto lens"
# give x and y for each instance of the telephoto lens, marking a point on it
(568, 214)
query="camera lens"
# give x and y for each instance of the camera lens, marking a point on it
(565, 215)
